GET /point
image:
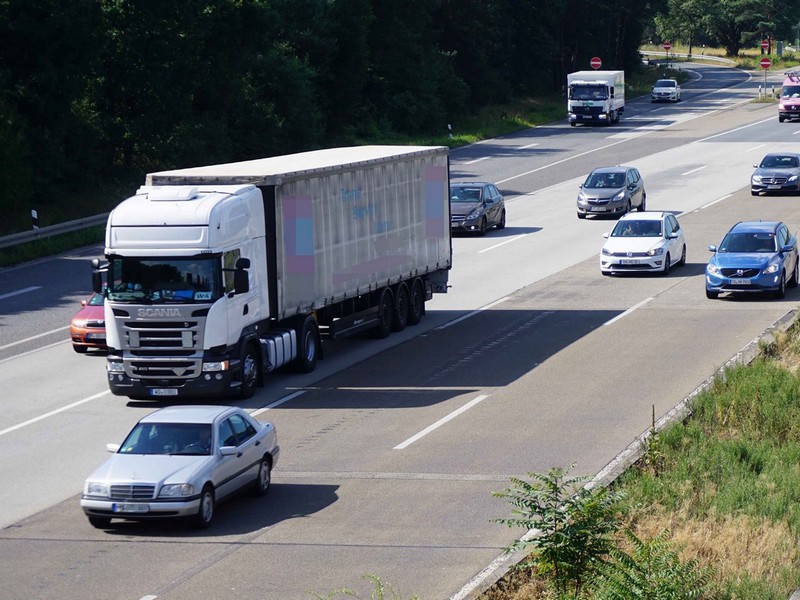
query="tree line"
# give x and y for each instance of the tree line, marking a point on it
(95, 93)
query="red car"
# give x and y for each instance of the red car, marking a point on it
(88, 326)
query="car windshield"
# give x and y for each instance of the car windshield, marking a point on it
(605, 180)
(165, 280)
(168, 438)
(631, 228)
(780, 162)
(748, 242)
(465, 194)
(790, 91)
(96, 300)
(665, 83)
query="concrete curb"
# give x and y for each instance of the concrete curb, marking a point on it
(632, 453)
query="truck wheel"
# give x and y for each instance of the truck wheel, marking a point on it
(250, 372)
(400, 319)
(416, 302)
(308, 345)
(385, 315)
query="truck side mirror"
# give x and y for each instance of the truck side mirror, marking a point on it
(241, 280)
(242, 263)
(97, 282)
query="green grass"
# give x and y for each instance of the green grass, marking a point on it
(51, 245)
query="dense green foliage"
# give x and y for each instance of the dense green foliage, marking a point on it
(94, 94)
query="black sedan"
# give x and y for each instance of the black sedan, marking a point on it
(776, 173)
(475, 207)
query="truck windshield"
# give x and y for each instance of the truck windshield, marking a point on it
(790, 91)
(165, 280)
(589, 92)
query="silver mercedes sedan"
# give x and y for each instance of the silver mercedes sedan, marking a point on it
(181, 461)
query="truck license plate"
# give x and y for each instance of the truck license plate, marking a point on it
(130, 507)
(740, 282)
(164, 392)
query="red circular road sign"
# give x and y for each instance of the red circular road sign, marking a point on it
(765, 44)
(595, 63)
(667, 45)
(766, 63)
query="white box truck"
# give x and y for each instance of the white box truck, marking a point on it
(217, 275)
(595, 96)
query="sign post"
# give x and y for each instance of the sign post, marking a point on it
(765, 63)
(667, 46)
(764, 44)
(595, 63)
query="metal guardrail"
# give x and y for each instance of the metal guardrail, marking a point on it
(51, 230)
(710, 57)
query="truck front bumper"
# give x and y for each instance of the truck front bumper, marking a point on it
(206, 386)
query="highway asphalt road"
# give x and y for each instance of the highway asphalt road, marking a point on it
(391, 449)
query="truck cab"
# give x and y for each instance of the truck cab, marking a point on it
(789, 101)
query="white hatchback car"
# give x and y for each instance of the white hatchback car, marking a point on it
(650, 241)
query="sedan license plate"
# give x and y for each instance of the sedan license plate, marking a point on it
(164, 392)
(130, 507)
(740, 282)
(628, 261)
(95, 336)
(773, 187)
(598, 208)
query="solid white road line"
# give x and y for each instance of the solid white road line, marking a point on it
(53, 412)
(694, 170)
(627, 312)
(441, 422)
(18, 292)
(503, 243)
(33, 337)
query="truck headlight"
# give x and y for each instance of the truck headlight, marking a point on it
(115, 366)
(216, 366)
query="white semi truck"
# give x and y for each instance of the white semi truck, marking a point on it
(217, 275)
(595, 96)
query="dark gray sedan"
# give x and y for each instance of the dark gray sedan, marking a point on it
(475, 207)
(611, 191)
(776, 173)
(180, 462)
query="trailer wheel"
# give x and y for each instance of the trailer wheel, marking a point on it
(400, 319)
(250, 372)
(385, 315)
(308, 345)
(416, 302)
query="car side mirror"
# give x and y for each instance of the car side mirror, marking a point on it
(228, 450)
(606, 234)
(712, 248)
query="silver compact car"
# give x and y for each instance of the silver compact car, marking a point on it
(777, 172)
(475, 207)
(180, 462)
(611, 191)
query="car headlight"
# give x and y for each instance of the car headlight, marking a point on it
(606, 252)
(95, 488)
(655, 251)
(780, 106)
(79, 323)
(216, 366)
(474, 214)
(581, 197)
(712, 269)
(176, 490)
(771, 268)
(793, 178)
(619, 196)
(756, 178)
